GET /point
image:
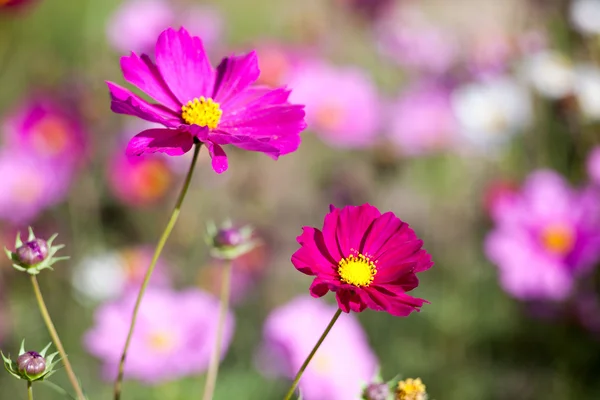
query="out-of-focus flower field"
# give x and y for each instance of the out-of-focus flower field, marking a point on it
(474, 121)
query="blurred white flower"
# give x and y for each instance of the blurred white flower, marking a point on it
(100, 277)
(587, 90)
(490, 112)
(585, 16)
(550, 73)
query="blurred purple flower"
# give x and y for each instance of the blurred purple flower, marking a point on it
(197, 102)
(139, 181)
(408, 38)
(423, 120)
(46, 130)
(136, 23)
(342, 366)
(545, 236)
(29, 185)
(172, 339)
(342, 103)
(593, 165)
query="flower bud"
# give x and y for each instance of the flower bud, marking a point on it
(33, 252)
(229, 242)
(31, 364)
(377, 391)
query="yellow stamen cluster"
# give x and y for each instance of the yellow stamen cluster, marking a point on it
(161, 341)
(558, 238)
(202, 112)
(357, 270)
(411, 389)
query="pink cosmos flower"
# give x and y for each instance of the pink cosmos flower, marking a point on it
(545, 235)
(593, 165)
(341, 367)
(344, 115)
(139, 181)
(173, 337)
(367, 258)
(423, 120)
(196, 102)
(47, 130)
(29, 185)
(136, 23)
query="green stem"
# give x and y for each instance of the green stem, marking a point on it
(159, 247)
(29, 390)
(312, 354)
(56, 339)
(215, 357)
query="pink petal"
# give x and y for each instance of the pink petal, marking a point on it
(352, 226)
(330, 226)
(142, 73)
(126, 102)
(402, 257)
(400, 305)
(319, 287)
(350, 300)
(233, 75)
(381, 231)
(170, 141)
(184, 65)
(219, 158)
(313, 258)
(245, 143)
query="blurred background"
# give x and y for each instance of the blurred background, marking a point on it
(475, 121)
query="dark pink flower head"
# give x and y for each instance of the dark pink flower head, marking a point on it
(197, 102)
(367, 258)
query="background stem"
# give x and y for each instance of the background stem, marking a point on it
(29, 390)
(159, 247)
(215, 357)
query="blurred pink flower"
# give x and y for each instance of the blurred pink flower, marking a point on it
(276, 62)
(593, 165)
(173, 337)
(342, 103)
(30, 184)
(136, 24)
(139, 181)
(215, 106)
(490, 53)
(545, 235)
(341, 367)
(497, 191)
(422, 120)
(46, 130)
(408, 38)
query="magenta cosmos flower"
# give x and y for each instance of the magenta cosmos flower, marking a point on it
(545, 236)
(173, 337)
(344, 364)
(196, 102)
(367, 258)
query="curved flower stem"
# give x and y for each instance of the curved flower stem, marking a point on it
(215, 357)
(29, 390)
(161, 243)
(290, 393)
(56, 339)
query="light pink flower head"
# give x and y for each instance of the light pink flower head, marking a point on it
(342, 103)
(29, 185)
(173, 338)
(593, 165)
(341, 367)
(139, 181)
(47, 130)
(136, 23)
(199, 103)
(277, 63)
(545, 235)
(409, 39)
(422, 120)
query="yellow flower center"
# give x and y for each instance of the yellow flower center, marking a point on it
(558, 238)
(410, 389)
(161, 341)
(51, 136)
(202, 112)
(357, 270)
